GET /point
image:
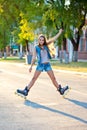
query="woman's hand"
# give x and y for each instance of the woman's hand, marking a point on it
(30, 69)
(55, 37)
(60, 31)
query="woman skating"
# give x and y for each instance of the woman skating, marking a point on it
(41, 50)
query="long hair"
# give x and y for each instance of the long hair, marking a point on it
(50, 48)
(41, 35)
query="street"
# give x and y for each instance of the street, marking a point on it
(45, 108)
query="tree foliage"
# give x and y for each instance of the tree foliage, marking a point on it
(51, 14)
(26, 30)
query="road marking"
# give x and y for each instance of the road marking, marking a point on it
(79, 92)
(49, 104)
(13, 73)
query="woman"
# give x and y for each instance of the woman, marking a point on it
(43, 56)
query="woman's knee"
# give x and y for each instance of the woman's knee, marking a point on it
(34, 78)
(53, 79)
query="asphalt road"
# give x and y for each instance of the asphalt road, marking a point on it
(45, 108)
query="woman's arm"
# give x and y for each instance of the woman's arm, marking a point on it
(33, 60)
(55, 37)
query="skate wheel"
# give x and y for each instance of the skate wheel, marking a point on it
(66, 93)
(25, 98)
(22, 96)
(15, 92)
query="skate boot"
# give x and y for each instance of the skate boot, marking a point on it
(63, 90)
(23, 92)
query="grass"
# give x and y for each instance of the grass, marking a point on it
(73, 66)
(13, 59)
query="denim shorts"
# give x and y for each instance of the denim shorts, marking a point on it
(43, 67)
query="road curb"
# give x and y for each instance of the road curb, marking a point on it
(71, 72)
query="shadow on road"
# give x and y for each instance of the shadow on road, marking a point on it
(79, 103)
(39, 106)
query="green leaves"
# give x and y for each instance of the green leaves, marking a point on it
(26, 32)
(51, 14)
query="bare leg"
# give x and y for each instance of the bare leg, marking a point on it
(52, 77)
(36, 75)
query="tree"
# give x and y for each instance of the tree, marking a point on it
(4, 32)
(79, 10)
(54, 17)
(48, 14)
(7, 18)
(26, 31)
(70, 18)
(26, 34)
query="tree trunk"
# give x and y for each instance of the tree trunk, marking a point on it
(20, 52)
(28, 55)
(75, 56)
(75, 47)
(75, 42)
(27, 48)
(66, 55)
(60, 56)
(5, 55)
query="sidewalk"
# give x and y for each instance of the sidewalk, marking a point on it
(72, 72)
